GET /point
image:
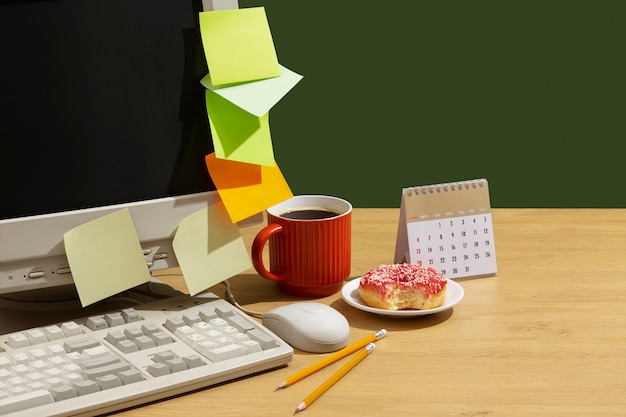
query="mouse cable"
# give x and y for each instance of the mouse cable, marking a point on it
(232, 299)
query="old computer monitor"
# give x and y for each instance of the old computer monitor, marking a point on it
(101, 108)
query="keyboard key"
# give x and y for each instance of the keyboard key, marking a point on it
(130, 376)
(36, 336)
(212, 334)
(96, 323)
(17, 340)
(193, 361)
(34, 377)
(131, 315)
(20, 370)
(217, 323)
(54, 382)
(251, 346)
(56, 361)
(115, 336)
(205, 347)
(114, 319)
(37, 354)
(163, 357)
(38, 365)
(183, 331)
(201, 327)
(53, 332)
(144, 342)
(150, 328)
(55, 350)
(27, 400)
(265, 340)
(206, 315)
(99, 362)
(71, 329)
(74, 357)
(224, 312)
(78, 345)
(174, 323)
(160, 338)
(158, 369)
(191, 318)
(127, 346)
(85, 387)
(176, 365)
(19, 358)
(225, 352)
(63, 393)
(73, 378)
(96, 352)
(194, 339)
(239, 323)
(113, 368)
(133, 332)
(108, 381)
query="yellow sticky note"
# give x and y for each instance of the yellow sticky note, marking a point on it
(247, 189)
(238, 45)
(105, 257)
(257, 97)
(238, 135)
(209, 248)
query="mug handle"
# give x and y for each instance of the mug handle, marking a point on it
(257, 251)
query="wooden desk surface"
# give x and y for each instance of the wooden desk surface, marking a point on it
(546, 337)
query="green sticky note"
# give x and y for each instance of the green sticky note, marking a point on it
(238, 135)
(257, 97)
(209, 248)
(105, 257)
(238, 45)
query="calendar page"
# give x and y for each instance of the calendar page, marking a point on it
(449, 227)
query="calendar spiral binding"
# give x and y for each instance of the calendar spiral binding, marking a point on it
(446, 187)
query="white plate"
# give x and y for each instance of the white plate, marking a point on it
(350, 293)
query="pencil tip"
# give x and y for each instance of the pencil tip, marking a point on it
(300, 407)
(280, 386)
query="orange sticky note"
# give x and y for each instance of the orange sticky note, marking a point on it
(247, 189)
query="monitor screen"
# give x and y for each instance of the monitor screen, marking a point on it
(101, 107)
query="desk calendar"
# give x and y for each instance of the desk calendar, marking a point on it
(449, 227)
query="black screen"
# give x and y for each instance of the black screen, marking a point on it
(101, 103)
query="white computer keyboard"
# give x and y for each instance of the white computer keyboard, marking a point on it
(93, 365)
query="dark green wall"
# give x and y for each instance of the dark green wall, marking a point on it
(528, 94)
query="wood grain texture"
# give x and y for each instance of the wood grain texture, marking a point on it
(546, 337)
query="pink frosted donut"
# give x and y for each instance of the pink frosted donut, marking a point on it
(403, 287)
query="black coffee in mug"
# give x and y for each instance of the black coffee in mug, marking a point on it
(309, 214)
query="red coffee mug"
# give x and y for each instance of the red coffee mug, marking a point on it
(309, 245)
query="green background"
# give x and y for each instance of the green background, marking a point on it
(527, 94)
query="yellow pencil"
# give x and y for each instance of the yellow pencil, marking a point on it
(335, 377)
(340, 354)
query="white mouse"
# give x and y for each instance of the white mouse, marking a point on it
(309, 326)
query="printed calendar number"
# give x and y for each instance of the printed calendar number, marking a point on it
(457, 247)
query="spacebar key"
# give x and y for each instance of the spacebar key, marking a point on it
(24, 401)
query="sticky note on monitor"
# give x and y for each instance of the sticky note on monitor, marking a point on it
(257, 97)
(209, 248)
(105, 257)
(247, 189)
(238, 45)
(238, 135)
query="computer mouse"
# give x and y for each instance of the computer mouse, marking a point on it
(309, 326)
